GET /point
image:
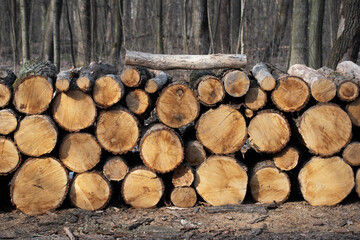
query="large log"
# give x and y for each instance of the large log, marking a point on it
(7, 78)
(191, 62)
(322, 88)
(221, 180)
(115, 168)
(263, 76)
(269, 132)
(108, 90)
(8, 121)
(161, 149)
(325, 129)
(74, 110)
(79, 152)
(36, 135)
(39, 186)
(177, 105)
(268, 184)
(222, 130)
(142, 188)
(351, 154)
(287, 159)
(326, 181)
(236, 83)
(10, 157)
(353, 109)
(183, 176)
(90, 191)
(349, 69)
(183, 197)
(194, 153)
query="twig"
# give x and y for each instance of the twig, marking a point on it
(69, 233)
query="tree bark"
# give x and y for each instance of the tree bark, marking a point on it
(315, 33)
(57, 9)
(118, 32)
(159, 27)
(200, 31)
(85, 24)
(24, 30)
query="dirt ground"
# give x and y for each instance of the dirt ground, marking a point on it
(292, 220)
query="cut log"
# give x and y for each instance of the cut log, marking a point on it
(255, 98)
(194, 153)
(115, 169)
(268, 184)
(177, 105)
(351, 154)
(183, 197)
(269, 132)
(7, 78)
(90, 191)
(183, 176)
(142, 188)
(262, 74)
(36, 135)
(209, 89)
(9, 156)
(353, 109)
(64, 79)
(74, 110)
(108, 90)
(79, 152)
(357, 180)
(8, 121)
(236, 83)
(325, 129)
(249, 113)
(117, 131)
(326, 181)
(37, 66)
(39, 186)
(191, 62)
(322, 88)
(138, 101)
(222, 130)
(221, 180)
(133, 77)
(157, 82)
(89, 74)
(349, 69)
(287, 159)
(161, 149)
(291, 94)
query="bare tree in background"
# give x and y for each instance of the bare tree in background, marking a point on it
(240, 47)
(57, 7)
(200, 30)
(48, 43)
(315, 33)
(24, 30)
(118, 32)
(85, 23)
(159, 27)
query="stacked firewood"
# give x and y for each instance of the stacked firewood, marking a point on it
(211, 136)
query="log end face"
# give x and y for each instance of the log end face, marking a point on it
(268, 83)
(83, 83)
(323, 90)
(287, 159)
(9, 156)
(255, 98)
(351, 154)
(353, 109)
(358, 182)
(107, 91)
(130, 77)
(115, 169)
(236, 83)
(210, 91)
(137, 101)
(8, 122)
(183, 197)
(62, 85)
(5, 95)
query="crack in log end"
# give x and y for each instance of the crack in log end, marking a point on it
(180, 92)
(38, 186)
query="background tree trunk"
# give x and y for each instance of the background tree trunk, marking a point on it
(57, 8)
(159, 27)
(315, 33)
(200, 31)
(85, 24)
(24, 30)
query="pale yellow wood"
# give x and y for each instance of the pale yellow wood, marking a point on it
(255, 98)
(5, 95)
(353, 109)
(348, 91)
(325, 129)
(36, 135)
(8, 121)
(194, 153)
(90, 191)
(137, 101)
(351, 154)
(221, 130)
(326, 181)
(9, 156)
(130, 77)
(108, 90)
(264, 77)
(79, 152)
(221, 180)
(142, 188)
(183, 197)
(183, 176)
(83, 83)
(357, 180)
(287, 159)
(74, 110)
(39, 186)
(210, 91)
(236, 83)
(115, 169)
(62, 85)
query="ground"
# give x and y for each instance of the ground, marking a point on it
(292, 220)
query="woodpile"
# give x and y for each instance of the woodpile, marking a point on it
(220, 136)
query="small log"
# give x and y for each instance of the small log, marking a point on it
(10, 157)
(215, 130)
(108, 90)
(249, 113)
(89, 74)
(36, 135)
(74, 110)
(194, 153)
(161, 149)
(115, 168)
(117, 131)
(322, 88)
(183, 176)
(191, 62)
(268, 184)
(177, 105)
(325, 129)
(221, 180)
(349, 69)
(133, 77)
(269, 132)
(357, 180)
(157, 82)
(291, 94)
(39, 186)
(255, 98)
(7, 78)
(262, 74)
(236, 83)
(90, 191)
(64, 79)
(209, 90)
(326, 181)
(8, 121)
(138, 101)
(142, 188)
(183, 197)
(351, 154)
(287, 159)
(79, 152)
(353, 110)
